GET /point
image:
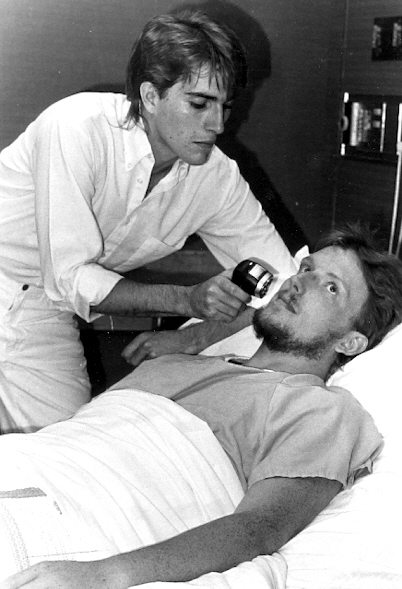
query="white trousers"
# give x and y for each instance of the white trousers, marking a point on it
(43, 377)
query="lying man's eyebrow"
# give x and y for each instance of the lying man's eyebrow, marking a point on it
(309, 260)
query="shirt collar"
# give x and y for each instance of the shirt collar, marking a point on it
(137, 147)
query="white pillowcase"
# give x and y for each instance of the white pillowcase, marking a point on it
(375, 378)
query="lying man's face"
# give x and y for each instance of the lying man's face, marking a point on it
(316, 306)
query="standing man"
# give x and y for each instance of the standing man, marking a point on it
(101, 184)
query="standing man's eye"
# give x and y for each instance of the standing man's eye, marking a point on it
(198, 105)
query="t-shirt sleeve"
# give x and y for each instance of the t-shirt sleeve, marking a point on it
(316, 432)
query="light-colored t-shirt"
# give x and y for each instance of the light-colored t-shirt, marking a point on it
(73, 212)
(269, 423)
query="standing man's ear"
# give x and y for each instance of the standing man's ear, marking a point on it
(352, 344)
(149, 96)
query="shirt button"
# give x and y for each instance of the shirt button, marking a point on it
(129, 166)
(140, 180)
(25, 287)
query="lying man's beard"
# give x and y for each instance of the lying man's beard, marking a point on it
(278, 338)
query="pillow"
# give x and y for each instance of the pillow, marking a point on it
(374, 378)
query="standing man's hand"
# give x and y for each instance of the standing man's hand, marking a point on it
(218, 298)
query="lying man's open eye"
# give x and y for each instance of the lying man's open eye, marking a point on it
(333, 289)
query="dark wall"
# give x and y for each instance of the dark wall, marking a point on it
(280, 132)
(367, 189)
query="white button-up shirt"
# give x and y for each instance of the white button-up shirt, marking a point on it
(73, 212)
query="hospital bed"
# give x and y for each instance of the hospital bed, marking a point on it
(57, 501)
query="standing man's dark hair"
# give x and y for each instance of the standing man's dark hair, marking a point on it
(174, 47)
(383, 274)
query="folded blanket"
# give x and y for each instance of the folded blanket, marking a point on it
(127, 470)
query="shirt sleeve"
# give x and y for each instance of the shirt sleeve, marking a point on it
(240, 229)
(317, 432)
(70, 242)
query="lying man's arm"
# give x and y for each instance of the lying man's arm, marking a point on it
(188, 340)
(271, 513)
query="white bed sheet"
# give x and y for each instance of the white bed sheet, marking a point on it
(128, 470)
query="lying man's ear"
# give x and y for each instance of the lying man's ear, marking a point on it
(352, 344)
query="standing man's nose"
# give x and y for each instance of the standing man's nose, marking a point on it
(216, 121)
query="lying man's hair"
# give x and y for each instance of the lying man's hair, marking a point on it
(383, 274)
(174, 47)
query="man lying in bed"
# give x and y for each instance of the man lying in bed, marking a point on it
(294, 443)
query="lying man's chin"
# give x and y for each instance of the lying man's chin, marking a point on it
(278, 338)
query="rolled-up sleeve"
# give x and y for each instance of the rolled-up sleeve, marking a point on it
(70, 241)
